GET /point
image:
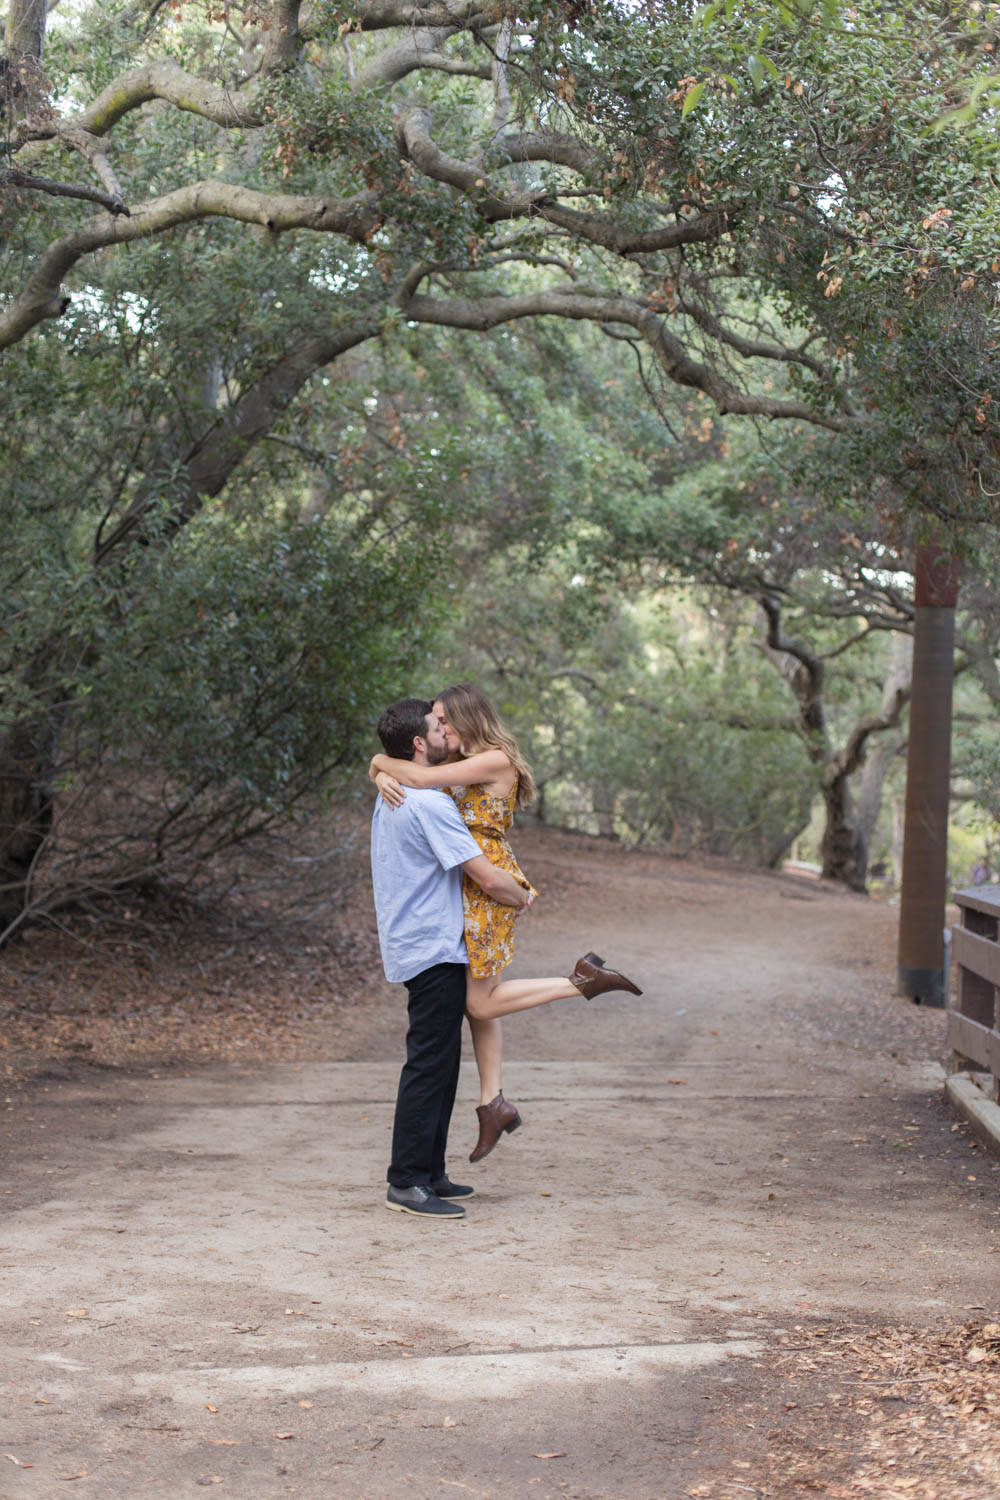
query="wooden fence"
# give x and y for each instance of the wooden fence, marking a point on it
(974, 1019)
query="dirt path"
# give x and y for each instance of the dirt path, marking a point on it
(739, 1248)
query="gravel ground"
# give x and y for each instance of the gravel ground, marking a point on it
(740, 1247)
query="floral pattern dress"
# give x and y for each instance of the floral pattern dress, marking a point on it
(489, 926)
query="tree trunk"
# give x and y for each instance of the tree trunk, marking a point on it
(843, 850)
(603, 803)
(21, 77)
(851, 814)
(773, 854)
(25, 817)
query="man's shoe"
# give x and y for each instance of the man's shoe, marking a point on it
(494, 1118)
(446, 1189)
(419, 1199)
(592, 978)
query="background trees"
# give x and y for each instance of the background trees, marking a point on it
(226, 229)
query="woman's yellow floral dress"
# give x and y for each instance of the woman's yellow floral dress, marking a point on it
(489, 926)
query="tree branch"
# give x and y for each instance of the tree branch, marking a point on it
(806, 679)
(751, 348)
(419, 49)
(485, 313)
(43, 298)
(847, 760)
(381, 15)
(214, 456)
(163, 79)
(113, 203)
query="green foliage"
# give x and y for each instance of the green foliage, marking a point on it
(979, 763)
(651, 718)
(257, 656)
(232, 630)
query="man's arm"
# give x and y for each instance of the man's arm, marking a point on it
(496, 882)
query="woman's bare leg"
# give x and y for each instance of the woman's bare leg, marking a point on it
(491, 997)
(487, 1044)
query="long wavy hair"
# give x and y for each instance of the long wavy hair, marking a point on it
(479, 727)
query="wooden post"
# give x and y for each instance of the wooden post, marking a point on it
(928, 777)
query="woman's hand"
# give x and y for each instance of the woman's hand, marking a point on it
(389, 789)
(522, 909)
(374, 766)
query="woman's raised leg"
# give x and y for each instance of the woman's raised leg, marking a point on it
(491, 997)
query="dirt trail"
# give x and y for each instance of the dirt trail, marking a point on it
(740, 1246)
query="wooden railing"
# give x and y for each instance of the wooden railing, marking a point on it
(974, 1018)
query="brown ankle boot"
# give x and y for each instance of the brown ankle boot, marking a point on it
(494, 1118)
(592, 978)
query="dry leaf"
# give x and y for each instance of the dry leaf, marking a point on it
(284, 1434)
(82, 1475)
(77, 1312)
(548, 1455)
(306, 1404)
(210, 1407)
(449, 1422)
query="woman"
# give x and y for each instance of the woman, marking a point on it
(488, 777)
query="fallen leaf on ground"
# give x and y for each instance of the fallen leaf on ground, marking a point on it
(284, 1434)
(77, 1312)
(210, 1407)
(306, 1404)
(548, 1455)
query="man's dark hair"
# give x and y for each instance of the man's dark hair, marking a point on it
(400, 723)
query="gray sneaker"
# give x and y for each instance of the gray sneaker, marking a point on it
(419, 1199)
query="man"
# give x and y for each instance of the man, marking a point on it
(419, 851)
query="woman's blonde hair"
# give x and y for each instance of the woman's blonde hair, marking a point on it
(479, 727)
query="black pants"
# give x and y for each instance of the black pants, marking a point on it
(429, 1078)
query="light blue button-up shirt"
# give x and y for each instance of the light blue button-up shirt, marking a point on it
(417, 853)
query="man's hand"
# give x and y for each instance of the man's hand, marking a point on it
(496, 882)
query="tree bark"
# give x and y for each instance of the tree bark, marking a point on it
(26, 805)
(846, 835)
(849, 822)
(21, 77)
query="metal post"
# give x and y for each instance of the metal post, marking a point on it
(921, 972)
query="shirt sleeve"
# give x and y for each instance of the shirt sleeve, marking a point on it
(450, 841)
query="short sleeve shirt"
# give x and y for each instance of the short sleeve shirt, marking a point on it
(417, 854)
